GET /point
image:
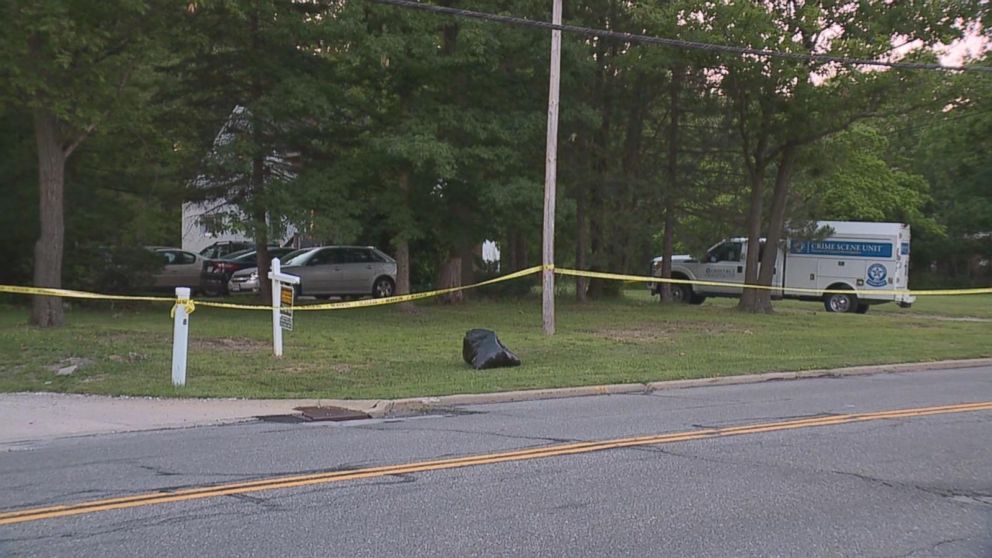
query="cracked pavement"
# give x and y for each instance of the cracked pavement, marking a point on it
(906, 487)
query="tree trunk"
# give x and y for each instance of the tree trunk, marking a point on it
(748, 300)
(260, 226)
(468, 256)
(518, 250)
(581, 247)
(402, 266)
(507, 254)
(599, 244)
(667, 247)
(402, 244)
(595, 288)
(763, 300)
(674, 112)
(599, 248)
(450, 275)
(47, 311)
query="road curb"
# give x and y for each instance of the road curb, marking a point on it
(30, 418)
(421, 405)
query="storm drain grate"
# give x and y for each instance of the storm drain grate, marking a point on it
(331, 414)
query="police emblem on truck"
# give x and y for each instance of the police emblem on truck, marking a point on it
(876, 275)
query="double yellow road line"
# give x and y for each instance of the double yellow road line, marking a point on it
(283, 482)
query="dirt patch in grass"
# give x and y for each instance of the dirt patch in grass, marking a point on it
(642, 333)
(242, 344)
(335, 367)
(113, 337)
(70, 365)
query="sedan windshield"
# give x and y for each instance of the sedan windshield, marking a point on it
(239, 254)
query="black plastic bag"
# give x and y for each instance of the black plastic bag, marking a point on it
(482, 349)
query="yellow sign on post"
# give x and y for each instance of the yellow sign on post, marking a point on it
(286, 294)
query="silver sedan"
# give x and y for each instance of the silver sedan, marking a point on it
(179, 269)
(346, 271)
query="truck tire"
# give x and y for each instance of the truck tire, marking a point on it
(840, 302)
(681, 293)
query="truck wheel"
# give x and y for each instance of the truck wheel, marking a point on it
(681, 293)
(840, 302)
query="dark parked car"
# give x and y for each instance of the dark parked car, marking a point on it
(225, 248)
(217, 272)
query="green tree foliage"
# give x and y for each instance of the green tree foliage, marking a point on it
(781, 106)
(452, 126)
(848, 178)
(260, 65)
(952, 149)
(79, 69)
(19, 190)
(424, 134)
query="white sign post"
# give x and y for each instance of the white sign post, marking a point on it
(278, 278)
(180, 337)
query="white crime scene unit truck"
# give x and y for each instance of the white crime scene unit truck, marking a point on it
(865, 262)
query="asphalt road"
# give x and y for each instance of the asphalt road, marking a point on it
(910, 486)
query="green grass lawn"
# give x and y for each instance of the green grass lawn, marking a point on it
(386, 353)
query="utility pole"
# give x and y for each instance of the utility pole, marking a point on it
(550, 177)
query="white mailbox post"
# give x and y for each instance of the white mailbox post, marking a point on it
(278, 279)
(180, 336)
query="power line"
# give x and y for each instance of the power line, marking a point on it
(964, 115)
(676, 43)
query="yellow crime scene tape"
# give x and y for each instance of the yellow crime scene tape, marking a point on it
(381, 301)
(65, 293)
(650, 279)
(190, 304)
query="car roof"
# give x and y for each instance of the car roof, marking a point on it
(160, 248)
(340, 246)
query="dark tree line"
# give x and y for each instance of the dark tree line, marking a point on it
(424, 134)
